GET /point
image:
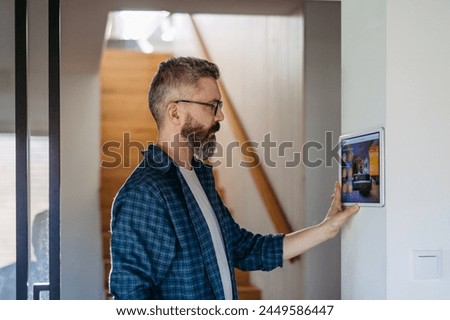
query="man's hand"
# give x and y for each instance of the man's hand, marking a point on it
(300, 241)
(337, 216)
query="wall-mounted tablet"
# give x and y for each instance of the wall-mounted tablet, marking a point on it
(362, 168)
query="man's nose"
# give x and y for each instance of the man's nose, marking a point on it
(219, 115)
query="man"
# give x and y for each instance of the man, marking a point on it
(172, 236)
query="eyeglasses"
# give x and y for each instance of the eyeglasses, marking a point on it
(214, 106)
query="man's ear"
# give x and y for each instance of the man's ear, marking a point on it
(172, 113)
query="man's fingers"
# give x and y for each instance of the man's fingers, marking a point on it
(352, 209)
(337, 194)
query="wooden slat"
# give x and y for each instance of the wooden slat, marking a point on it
(249, 293)
(115, 176)
(242, 277)
(123, 101)
(114, 131)
(107, 195)
(107, 266)
(118, 157)
(106, 238)
(106, 218)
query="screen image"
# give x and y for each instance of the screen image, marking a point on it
(361, 171)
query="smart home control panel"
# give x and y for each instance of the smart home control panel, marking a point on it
(362, 168)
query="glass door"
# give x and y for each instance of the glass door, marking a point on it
(29, 147)
(7, 153)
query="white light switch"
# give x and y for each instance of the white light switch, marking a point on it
(427, 264)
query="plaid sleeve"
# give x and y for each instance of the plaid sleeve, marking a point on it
(255, 251)
(142, 244)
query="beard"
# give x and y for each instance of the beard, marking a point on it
(201, 140)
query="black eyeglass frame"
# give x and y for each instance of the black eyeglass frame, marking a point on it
(215, 106)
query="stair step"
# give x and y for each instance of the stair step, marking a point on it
(242, 277)
(249, 293)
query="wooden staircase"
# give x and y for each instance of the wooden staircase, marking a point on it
(126, 128)
(246, 291)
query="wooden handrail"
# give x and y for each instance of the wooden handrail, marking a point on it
(260, 178)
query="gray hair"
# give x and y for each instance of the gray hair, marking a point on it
(174, 75)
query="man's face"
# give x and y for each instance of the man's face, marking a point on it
(200, 123)
(200, 139)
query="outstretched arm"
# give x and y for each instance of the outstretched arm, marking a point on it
(298, 242)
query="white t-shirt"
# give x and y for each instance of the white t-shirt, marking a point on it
(214, 228)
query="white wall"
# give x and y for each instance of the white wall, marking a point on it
(364, 105)
(418, 115)
(81, 250)
(81, 243)
(322, 113)
(396, 74)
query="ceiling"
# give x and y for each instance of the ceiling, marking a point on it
(83, 22)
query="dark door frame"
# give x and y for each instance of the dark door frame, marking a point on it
(22, 151)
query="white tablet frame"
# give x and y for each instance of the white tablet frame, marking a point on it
(381, 160)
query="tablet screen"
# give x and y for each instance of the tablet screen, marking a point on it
(361, 170)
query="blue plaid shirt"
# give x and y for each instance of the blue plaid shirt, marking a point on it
(161, 247)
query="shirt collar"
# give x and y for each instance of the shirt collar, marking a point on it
(156, 158)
